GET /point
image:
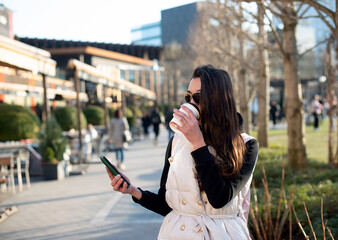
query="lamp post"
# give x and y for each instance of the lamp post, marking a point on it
(322, 80)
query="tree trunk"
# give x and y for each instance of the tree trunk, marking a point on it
(243, 96)
(330, 95)
(264, 84)
(293, 94)
(330, 91)
(243, 84)
(336, 35)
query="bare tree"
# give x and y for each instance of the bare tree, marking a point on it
(332, 100)
(222, 39)
(330, 18)
(289, 15)
(263, 81)
(243, 83)
(178, 68)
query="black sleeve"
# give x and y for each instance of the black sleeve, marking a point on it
(156, 202)
(221, 190)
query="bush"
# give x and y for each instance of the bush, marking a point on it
(67, 118)
(52, 144)
(94, 115)
(17, 122)
(317, 181)
(131, 117)
(111, 112)
(49, 155)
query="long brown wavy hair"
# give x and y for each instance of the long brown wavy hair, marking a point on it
(219, 119)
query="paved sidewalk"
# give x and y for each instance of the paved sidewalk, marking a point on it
(85, 206)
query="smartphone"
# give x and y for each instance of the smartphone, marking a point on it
(113, 169)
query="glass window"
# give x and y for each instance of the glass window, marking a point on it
(122, 73)
(147, 80)
(132, 76)
(155, 81)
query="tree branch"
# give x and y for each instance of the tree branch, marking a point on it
(274, 31)
(310, 49)
(235, 57)
(300, 7)
(301, 15)
(332, 28)
(318, 6)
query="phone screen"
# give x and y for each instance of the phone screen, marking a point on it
(112, 168)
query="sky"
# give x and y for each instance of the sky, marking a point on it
(85, 20)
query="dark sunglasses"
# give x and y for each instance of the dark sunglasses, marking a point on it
(195, 96)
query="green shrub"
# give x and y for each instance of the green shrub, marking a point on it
(317, 181)
(131, 117)
(17, 122)
(111, 112)
(94, 115)
(67, 118)
(49, 155)
(51, 142)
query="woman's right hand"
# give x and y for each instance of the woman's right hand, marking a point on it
(120, 186)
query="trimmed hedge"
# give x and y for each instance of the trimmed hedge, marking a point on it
(131, 117)
(94, 115)
(17, 122)
(67, 118)
(111, 112)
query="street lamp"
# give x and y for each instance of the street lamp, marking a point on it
(322, 80)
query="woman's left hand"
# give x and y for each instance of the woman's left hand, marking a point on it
(190, 127)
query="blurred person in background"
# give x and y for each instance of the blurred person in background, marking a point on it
(118, 125)
(274, 111)
(90, 139)
(317, 109)
(145, 124)
(155, 121)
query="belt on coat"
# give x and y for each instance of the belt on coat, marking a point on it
(206, 223)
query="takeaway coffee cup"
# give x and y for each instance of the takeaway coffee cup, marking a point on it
(192, 107)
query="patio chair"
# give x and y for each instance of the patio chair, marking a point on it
(21, 166)
(7, 172)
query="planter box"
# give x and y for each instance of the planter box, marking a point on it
(52, 171)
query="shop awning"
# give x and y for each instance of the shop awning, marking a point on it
(23, 90)
(18, 55)
(92, 74)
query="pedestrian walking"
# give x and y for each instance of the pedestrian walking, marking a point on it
(274, 110)
(145, 124)
(155, 121)
(317, 109)
(205, 183)
(118, 126)
(90, 144)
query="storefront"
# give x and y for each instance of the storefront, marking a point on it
(26, 76)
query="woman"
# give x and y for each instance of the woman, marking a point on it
(118, 125)
(205, 183)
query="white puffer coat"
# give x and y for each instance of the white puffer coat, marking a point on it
(192, 216)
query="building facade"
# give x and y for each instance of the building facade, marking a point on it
(174, 27)
(147, 35)
(42, 73)
(136, 65)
